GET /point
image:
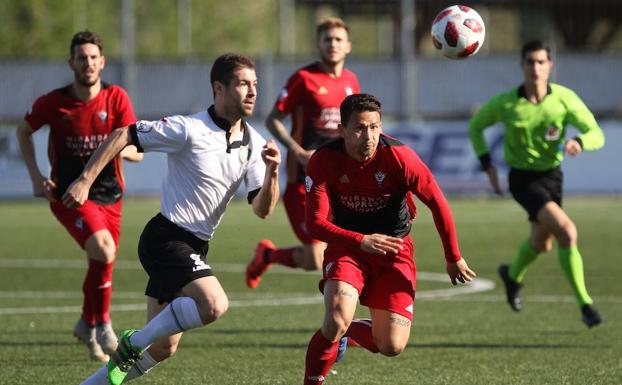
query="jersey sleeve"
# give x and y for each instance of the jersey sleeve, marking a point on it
(579, 116)
(257, 168)
(165, 135)
(317, 209)
(291, 95)
(37, 116)
(124, 110)
(421, 182)
(487, 115)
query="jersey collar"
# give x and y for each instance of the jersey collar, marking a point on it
(224, 125)
(523, 94)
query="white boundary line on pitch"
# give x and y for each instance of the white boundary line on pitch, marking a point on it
(477, 286)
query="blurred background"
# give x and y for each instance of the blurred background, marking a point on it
(161, 51)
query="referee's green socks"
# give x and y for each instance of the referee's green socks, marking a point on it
(526, 255)
(572, 264)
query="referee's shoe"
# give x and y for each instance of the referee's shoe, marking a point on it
(512, 288)
(591, 316)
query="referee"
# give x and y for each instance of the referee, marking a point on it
(535, 116)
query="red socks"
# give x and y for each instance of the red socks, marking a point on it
(282, 256)
(97, 289)
(321, 355)
(359, 333)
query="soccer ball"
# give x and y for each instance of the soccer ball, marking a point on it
(458, 32)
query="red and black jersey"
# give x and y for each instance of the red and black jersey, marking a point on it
(347, 199)
(313, 97)
(77, 128)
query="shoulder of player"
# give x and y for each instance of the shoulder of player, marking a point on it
(348, 73)
(329, 149)
(562, 91)
(396, 149)
(113, 89)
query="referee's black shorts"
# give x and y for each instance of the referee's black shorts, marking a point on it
(172, 257)
(533, 189)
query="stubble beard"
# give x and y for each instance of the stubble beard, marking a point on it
(83, 80)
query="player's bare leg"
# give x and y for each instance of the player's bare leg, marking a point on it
(340, 300)
(390, 331)
(307, 256)
(554, 219)
(201, 302)
(310, 256)
(159, 351)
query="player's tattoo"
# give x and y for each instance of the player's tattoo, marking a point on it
(399, 321)
(344, 293)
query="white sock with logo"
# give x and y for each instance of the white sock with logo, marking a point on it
(141, 367)
(180, 315)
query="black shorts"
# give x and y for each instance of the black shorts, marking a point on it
(533, 189)
(172, 257)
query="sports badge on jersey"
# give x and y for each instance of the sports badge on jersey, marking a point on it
(143, 126)
(102, 115)
(308, 183)
(379, 177)
(552, 133)
(349, 91)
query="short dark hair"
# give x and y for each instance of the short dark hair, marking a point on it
(358, 103)
(534, 45)
(85, 37)
(225, 65)
(330, 23)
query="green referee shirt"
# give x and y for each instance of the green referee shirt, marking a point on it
(534, 133)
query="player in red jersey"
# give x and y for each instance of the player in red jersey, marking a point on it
(311, 97)
(80, 116)
(357, 189)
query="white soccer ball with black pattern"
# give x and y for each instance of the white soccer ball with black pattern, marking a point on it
(458, 32)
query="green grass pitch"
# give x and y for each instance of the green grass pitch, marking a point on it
(457, 339)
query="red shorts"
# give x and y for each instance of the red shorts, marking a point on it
(386, 282)
(294, 202)
(91, 217)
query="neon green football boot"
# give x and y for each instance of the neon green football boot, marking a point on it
(122, 360)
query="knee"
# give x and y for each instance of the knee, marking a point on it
(567, 235)
(543, 246)
(390, 348)
(309, 259)
(335, 327)
(103, 250)
(213, 311)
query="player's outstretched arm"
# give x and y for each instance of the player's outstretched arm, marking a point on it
(459, 271)
(131, 154)
(78, 191)
(268, 196)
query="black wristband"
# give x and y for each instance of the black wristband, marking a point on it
(578, 139)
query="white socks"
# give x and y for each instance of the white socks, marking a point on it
(142, 366)
(180, 315)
